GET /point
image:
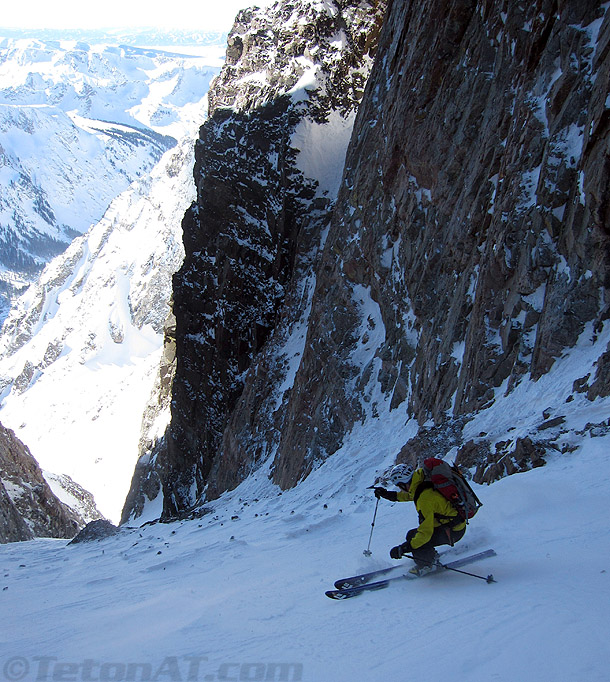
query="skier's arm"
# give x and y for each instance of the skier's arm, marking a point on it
(404, 496)
(386, 494)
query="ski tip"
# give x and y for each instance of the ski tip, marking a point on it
(338, 594)
(491, 579)
(347, 584)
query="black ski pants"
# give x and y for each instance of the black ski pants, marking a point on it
(442, 535)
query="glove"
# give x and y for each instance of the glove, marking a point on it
(386, 494)
(398, 551)
(406, 547)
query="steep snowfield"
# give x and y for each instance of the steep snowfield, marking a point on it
(227, 596)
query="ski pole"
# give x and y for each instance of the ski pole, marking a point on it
(367, 551)
(487, 579)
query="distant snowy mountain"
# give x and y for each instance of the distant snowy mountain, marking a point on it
(148, 37)
(79, 123)
(79, 351)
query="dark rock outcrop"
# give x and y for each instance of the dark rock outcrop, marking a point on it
(28, 507)
(95, 530)
(260, 216)
(13, 527)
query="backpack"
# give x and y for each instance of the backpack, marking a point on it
(449, 481)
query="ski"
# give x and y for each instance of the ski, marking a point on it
(355, 589)
(363, 578)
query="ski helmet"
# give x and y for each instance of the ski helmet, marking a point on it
(401, 474)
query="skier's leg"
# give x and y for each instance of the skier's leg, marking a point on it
(424, 555)
(427, 554)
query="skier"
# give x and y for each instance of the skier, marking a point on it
(439, 522)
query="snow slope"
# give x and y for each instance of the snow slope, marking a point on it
(228, 595)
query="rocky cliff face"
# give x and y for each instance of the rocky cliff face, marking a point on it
(469, 247)
(261, 211)
(28, 506)
(293, 78)
(467, 250)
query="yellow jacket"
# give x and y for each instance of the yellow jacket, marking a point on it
(434, 510)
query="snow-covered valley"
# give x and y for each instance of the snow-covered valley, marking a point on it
(93, 324)
(79, 123)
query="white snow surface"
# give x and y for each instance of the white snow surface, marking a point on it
(241, 590)
(322, 149)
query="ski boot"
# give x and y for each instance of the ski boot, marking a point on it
(422, 568)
